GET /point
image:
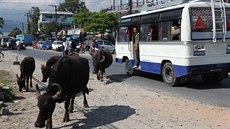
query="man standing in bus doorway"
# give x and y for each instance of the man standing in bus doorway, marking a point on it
(136, 46)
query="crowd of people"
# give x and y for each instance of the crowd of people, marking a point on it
(73, 45)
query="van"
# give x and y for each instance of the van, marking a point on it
(4, 41)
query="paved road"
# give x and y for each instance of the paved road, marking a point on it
(195, 89)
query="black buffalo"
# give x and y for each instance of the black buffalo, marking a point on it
(46, 69)
(27, 68)
(102, 59)
(69, 76)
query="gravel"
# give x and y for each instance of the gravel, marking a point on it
(116, 105)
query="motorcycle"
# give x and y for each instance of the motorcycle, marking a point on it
(21, 46)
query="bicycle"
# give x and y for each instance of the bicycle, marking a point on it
(1, 56)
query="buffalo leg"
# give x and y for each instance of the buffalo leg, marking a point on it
(66, 117)
(27, 83)
(85, 103)
(49, 123)
(31, 85)
(71, 104)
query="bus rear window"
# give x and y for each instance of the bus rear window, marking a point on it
(201, 19)
(201, 23)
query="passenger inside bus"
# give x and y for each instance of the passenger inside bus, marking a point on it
(175, 30)
(152, 35)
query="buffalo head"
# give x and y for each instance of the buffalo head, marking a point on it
(46, 104)
(45, 73)
(21, 82)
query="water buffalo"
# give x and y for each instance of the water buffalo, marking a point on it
(69, 76)
(27, 68)
(46, 69)
(102, 59)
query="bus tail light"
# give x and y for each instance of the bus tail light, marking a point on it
(198, 50)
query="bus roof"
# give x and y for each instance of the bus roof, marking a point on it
(188, 4)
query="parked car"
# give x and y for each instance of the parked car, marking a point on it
(4, 41)
(47, 45)
(11, 44)
(107, 45)
(57, 45)
(39, 44)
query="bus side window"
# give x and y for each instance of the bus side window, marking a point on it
(175, 30)
(149, 32)
(164, 33)
(124, 34)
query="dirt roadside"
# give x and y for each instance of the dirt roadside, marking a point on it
(114, 106)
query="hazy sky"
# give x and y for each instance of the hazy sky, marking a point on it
(15, 10)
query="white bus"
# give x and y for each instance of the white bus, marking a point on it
(188, 39)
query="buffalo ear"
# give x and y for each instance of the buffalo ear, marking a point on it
(42, 66)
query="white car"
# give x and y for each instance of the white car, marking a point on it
(57, 45)
(107, 45)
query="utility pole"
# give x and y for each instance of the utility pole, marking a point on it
(113, 4)
(22, 28)
(28, 23)
(55, 8)
(120, 4)
(130, 6)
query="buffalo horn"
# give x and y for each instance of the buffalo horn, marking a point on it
(37, 90)
(59, 89)
(17, 76)
(103, 59)
(22, 78)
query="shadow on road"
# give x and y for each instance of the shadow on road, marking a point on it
(104, 116)
(199, 84)
(115, 78)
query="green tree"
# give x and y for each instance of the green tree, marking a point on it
(73, 6)
(34, 14)
(81, 18)
(47, 28)
(1, 22)
(100, 22)
(15, 31)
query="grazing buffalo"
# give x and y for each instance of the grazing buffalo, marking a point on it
(102, 59)
(46, 69)
(69, 76)
(27, 68)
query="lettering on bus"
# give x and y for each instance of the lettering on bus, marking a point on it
(154, 4)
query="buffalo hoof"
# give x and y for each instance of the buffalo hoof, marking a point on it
(66, 119)
(85, 105)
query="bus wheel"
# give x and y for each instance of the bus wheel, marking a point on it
(212, 77)
(169, 76)
(128, 67)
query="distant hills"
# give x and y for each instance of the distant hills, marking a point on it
(9, 25)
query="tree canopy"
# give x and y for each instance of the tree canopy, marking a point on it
(15, 31)
(1, 22)
(96, 22)
(34, 14)
(47, 28)
(73, 6)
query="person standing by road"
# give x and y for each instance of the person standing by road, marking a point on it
(66, 46)
(135, 40)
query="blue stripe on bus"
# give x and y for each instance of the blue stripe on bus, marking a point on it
(180, 70)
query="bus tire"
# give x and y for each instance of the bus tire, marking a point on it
(212, 77)
(169, 76)
(128, 67)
